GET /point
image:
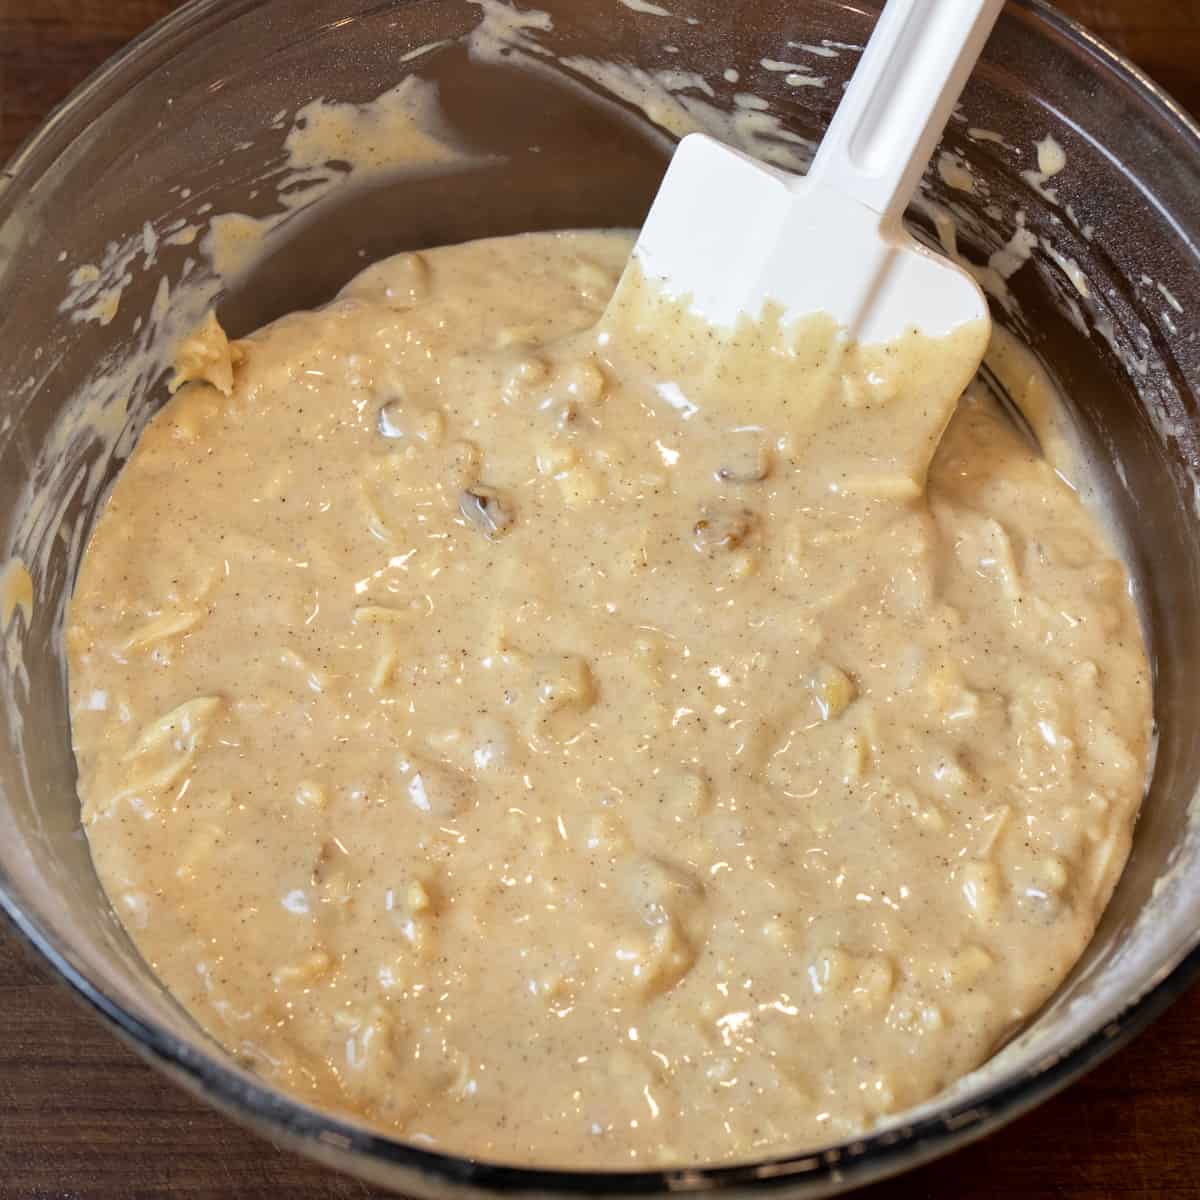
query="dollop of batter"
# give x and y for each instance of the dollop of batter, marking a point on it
(599, 745)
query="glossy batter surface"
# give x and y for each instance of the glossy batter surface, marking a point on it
(599, 747)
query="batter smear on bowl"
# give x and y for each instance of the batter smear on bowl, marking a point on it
(563, 744)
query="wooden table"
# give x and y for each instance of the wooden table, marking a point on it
(82, 1119)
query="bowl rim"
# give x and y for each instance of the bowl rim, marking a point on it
(338, 1142)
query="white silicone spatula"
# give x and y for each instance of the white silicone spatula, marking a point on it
(731, 233)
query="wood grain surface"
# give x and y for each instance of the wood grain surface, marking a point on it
(81, 1118)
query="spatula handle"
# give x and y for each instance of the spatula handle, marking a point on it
(900, 98)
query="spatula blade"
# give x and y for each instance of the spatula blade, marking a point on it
(733, 235)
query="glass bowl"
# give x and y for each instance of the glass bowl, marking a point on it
(190, 121)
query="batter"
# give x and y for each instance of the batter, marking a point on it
(602, 746)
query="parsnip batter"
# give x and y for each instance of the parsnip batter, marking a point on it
(599, 747)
